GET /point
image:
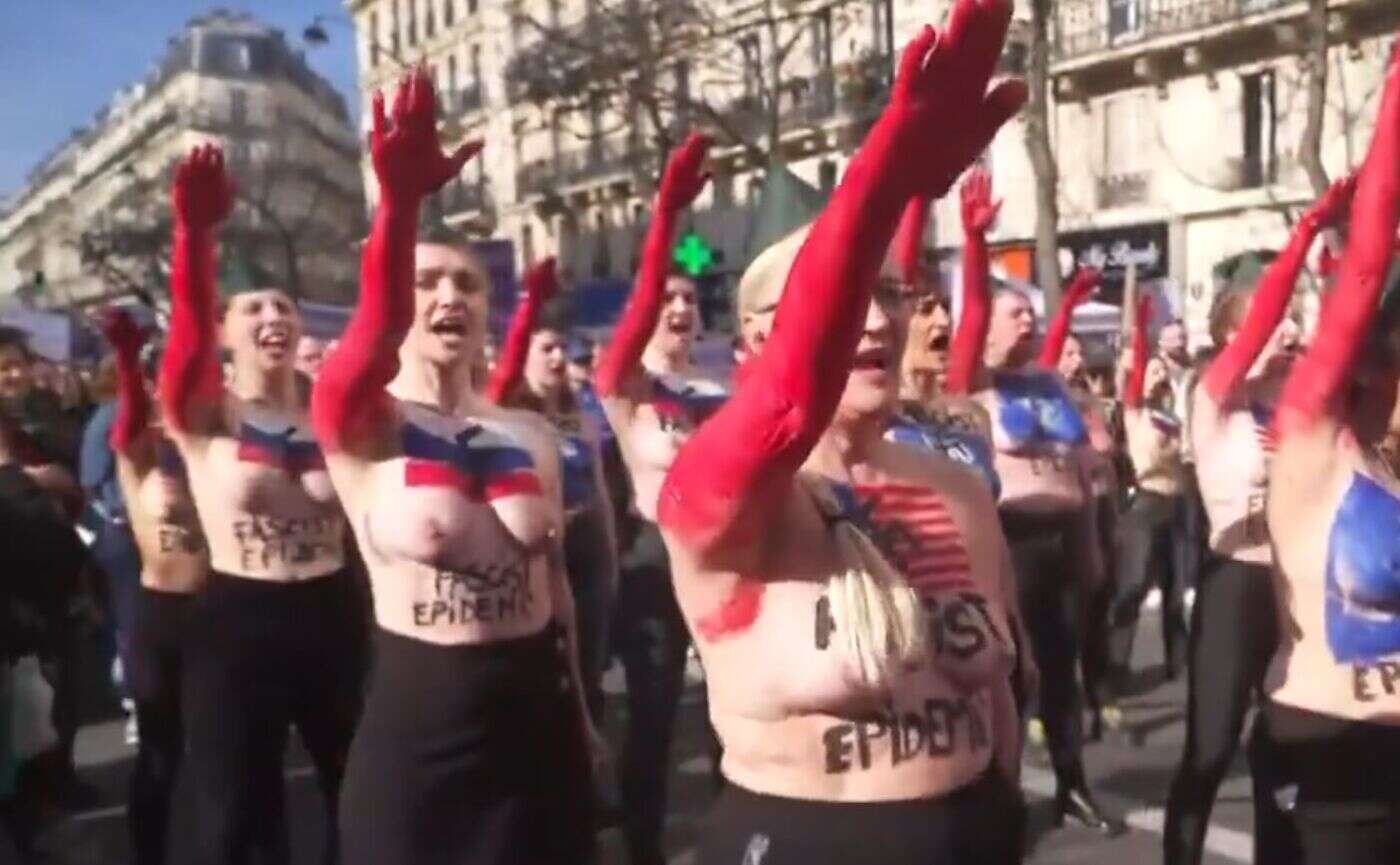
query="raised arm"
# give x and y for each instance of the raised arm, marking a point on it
(978, 213)
(191, 382)
(680, 184)
(133, 413)
(1081, 287)
(349, 400)
(1271, 296)
(1352, 305)
(540, 285)
(909, 240)
(1133, 393)
(729, 478)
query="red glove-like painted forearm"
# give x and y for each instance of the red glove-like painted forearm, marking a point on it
(965, 355)
(623, 354)
(511, 364)
(1057, 334)
(349, 397)
(1266, 310)
(189, 370)
(1352, 305)
(742, 461)
(133, 413)
(1137, 377)
(909, 240)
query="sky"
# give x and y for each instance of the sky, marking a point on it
(61, 60)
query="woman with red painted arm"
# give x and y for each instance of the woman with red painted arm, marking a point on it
(848, 599)
(473, 747)
(930, 416)
(276, 621)
(1046, 508)
(1150, 527)
(1233, 628)
(1330, 729)
(654, 400)
(532, 375)
(174, 565)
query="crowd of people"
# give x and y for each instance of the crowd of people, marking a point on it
(896, 543)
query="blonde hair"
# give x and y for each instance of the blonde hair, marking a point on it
(880, 623)
(772, 263)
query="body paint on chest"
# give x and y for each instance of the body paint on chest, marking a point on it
(1362, 607)
(279, 450)
(735, 615)
(478, 463)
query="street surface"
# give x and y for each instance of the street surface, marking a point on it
(1131, 771)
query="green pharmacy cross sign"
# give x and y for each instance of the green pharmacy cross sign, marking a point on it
(694, 255)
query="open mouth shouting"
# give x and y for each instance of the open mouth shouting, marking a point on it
(275, 340)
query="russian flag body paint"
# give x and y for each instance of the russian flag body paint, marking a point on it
(279, 450)
(480, 464)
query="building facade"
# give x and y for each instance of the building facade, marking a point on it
(1176, 123)
(92, 221)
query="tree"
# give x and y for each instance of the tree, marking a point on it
(1315, 65)
(679, 64)
(1042, 155)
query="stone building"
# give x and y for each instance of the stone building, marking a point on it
(92, 220)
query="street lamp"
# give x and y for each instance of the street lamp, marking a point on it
(315, 36)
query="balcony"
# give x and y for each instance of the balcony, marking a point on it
(1105, 45)
(599, 161)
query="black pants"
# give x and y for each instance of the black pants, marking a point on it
(469, 755)
(263, 656)
(1150, 536)
(970, 826)
(1234, 632)
(1049, 592)
(588, 560)
(650, 637)
(1336, 776)
(154, 655)
(1097, 601)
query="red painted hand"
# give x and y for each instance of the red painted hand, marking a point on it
(203, 192)
(683, 178)
(1332, 207)
(408, 158)
(1082, 285)
(979, 211)
(940, 97)
(122, 332)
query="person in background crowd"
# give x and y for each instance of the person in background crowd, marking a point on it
(1049, 515)
(1183, 373)
(1149, 530)
(1233, 622)
(173, 564)
(475, 741)
(36, 408)
(1328, 734)
(311, 353)
(531, 374)
(654, 400)
(932, 415)
(275, 631)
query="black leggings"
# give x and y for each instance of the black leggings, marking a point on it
(588, 562)
(1151, 535)
(650, 637)
(155, 660)
(468, 755)
(1338, 779)
(262, 656)
(1096, 603)
(1234, 631)
(974, 825)
(1049, 591)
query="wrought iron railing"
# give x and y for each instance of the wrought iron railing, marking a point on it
(1087, 26)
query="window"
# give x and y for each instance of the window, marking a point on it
(394, 31)
(1259, 111)
(882, 26)
(1127, 134)
(449, 85)
(412, 28)
(429, 24)
(238, 107)
(449, 10)
(476, 65)
(752, 50)
(471, 7)
(821, 40)
(826, 175)
(1124, 20)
